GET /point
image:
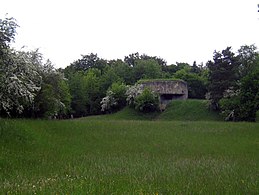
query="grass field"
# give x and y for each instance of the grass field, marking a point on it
(100, 156)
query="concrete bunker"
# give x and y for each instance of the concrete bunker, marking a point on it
(168, 90)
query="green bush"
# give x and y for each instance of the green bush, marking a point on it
(115, 98)
(119, 90)
(230, 108)
(147, 101)
(242, 105)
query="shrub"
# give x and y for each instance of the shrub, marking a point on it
(230, 108)
(115, 98)
(242, 105)
(132, 93)
(147, 101)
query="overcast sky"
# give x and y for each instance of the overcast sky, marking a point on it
(176, 30)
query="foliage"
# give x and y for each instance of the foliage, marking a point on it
(147, 69)
(230, 105)
(142, 99)
(132, 59)
(147, 101)
(54, 99)
(7, 32)
(20, 82)
(115, 98)
(248, 59)
(222, 75)
(132, 92)
(29, 87)
(78, 97)
(109, 77)
(250, 95)
(19, 79)
(141, 81)
(85, 88)
(32, 87)
(46, 105)
(197, 83)
(123, 71)
(87, 62)
(93, 92)
(243, 104)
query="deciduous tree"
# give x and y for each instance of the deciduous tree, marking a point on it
(223, 74)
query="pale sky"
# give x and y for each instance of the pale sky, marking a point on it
(175, 30)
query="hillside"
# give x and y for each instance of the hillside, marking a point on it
(125, 114)
(178, 110)
(191, 110)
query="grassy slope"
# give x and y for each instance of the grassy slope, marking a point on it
(178, 110)
(125, 114)
(191, 110)
(135, 157)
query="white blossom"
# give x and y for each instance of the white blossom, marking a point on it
(133, 92)
(19, 82)
(108, 101)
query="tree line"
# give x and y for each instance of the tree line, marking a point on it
(31, 87)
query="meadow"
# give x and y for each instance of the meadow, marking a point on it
(94, 155)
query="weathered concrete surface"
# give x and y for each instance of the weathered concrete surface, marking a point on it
(168, 90)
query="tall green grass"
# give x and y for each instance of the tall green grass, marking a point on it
(96, 156)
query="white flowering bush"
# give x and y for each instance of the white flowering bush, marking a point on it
(115, 98)
(108, 101)
(142, 99)
(19, 83)
(19, 73)
(132, 93)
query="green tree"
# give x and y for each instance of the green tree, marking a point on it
(122, 70)
(197, 84)
(108, 77)
(248, 58)
(223, 73)
(46, 104)
(115, 98)
(250, 96)
(131, 59)
(85, 89)
(242, 105)
(78, 94)
(168, 71)
(93, 93)
(87, 62)
(134, 57)
(54, 98)
(147, 69)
